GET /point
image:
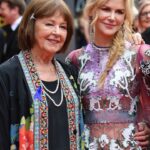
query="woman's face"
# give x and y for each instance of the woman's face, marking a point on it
(145, 17)
(50, 33)
(110, 18)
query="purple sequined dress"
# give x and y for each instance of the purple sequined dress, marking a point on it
(109, 113)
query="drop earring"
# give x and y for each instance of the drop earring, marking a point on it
(91, 31)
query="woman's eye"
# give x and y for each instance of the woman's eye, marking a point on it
(120, 12)
(105, 9)
(63, 27)
(49, 24)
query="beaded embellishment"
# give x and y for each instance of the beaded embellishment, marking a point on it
(147, 52)
(145, 67)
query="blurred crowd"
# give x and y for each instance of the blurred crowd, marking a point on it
(11, 14)
(141, 22)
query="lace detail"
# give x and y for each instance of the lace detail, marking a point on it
(105, 142)
(112, 131)
(118, 83)
(145, 67)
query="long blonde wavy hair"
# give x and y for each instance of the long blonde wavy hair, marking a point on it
(117, 47)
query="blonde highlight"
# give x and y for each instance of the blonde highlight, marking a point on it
(117, 47)
(115, 51)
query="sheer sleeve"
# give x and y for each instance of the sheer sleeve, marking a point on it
(143, 58)
(144, 63)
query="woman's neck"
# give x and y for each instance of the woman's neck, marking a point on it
(44, 65)
(102, 40)
(41, 57)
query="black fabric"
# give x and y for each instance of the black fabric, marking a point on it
(146, 36)
(80, 39)
(58, 123)
(11, 44)
(15, 97)
(2, 42)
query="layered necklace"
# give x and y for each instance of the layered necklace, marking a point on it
(49, 92)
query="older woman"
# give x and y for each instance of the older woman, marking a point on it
(144, 15)
(110, 78)
(144, 20)
(39, 107)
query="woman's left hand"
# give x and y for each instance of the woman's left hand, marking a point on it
(142, 136)
(135, 38)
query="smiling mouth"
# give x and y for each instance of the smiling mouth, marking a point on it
(110, 26)
(53, 41)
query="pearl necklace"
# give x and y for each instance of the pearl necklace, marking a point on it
(48, 92)
(51, 92)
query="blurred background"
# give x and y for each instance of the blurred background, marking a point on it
(81, 37)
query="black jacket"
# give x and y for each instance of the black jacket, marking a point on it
(11, 45)
(15, 98)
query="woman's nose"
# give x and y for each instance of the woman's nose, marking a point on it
(56, 29)
(112, 15)
(148, 15)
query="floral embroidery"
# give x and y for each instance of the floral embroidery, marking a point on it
(93, 145)
(14, 135)
(147, 53)
(103, 140)
(128, 134)
(118, 96)
(114, 145)
(85, 138)
(26, 134)
(41, 106)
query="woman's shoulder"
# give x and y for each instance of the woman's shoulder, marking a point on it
(140, 48)
(71, 72)
(75, 53)
(144, 51)
(73, 56)
(68, 68)
(10, 66)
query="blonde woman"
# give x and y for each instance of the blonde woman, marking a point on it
(109, 78)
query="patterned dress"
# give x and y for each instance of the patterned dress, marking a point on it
(110, 113)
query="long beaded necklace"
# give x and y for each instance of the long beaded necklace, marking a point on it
(51, 92)
(48, 92)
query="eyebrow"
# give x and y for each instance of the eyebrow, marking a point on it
(64, 22)
(123, 9)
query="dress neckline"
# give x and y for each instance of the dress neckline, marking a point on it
(99, 48)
